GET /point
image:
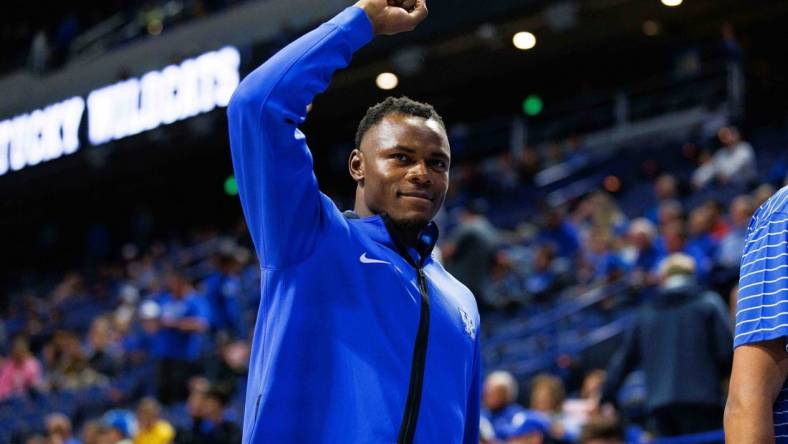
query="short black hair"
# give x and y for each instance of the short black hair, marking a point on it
(219, 392)
(402, 105)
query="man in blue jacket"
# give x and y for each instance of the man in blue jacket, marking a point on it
(361, 336)
(681, 339)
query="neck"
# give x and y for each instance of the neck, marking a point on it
(402, 235)
(406, 235)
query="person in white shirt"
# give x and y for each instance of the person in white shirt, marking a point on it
(733, 163)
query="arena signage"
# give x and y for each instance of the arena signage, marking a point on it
(125, 108)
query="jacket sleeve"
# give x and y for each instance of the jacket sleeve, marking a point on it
(473, 408)
(272, 162)
(623, 362)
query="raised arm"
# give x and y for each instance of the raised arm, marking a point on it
(272, 163)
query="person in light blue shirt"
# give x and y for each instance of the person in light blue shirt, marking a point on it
(757, 407)
(361, 337)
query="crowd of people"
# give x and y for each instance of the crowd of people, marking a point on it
(681, 261)
(164, 330)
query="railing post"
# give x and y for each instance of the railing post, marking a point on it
(735, 89)
(621, 111)
(518, 137)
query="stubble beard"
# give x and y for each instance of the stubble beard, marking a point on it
(412, 225)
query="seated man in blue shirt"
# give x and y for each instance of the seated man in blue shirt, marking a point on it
(360, 336)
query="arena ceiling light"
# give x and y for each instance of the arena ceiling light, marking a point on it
(672, 3)
(387, 81)
(524, 40)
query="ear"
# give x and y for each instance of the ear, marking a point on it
(356, 166)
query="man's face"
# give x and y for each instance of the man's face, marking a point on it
(402, 168)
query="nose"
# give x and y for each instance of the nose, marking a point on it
(420, 174)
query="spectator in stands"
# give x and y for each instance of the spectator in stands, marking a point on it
(117, 427)
(545, 278)
(72, 285)
(486, 432)
(500, 174)
(734, 163)
(642, 237)
(732, 245)
(579, 410)
(101, 353)
(471, 246)
(719, 226)
(184, 320)
(124, 314)
(602, 430)
(670, 211)
(151, 428)
(68, 367)
(702, 245)
(504, 287)
(210, 426)
(499, 401)
(20, 372)
(664, 190)
(674, 236)
(528, 427)
(681, 339)
(606, 214)
(58, 429)
(603, 262)
(140, 343)
(222, 289)
(547, 397)
(91, 432)
(230, 364)
(559, 232)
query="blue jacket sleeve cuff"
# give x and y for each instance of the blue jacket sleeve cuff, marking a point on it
(356, 26)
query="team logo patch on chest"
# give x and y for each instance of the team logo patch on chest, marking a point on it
(467, 321)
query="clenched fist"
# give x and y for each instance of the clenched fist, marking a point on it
(394, 16)
(404, 4)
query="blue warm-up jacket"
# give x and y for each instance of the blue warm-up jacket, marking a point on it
(357, 339)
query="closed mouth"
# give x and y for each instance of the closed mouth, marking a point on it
(416, 194)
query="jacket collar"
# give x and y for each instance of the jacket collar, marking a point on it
(380, 228)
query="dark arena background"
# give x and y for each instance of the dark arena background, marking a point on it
(590, 140)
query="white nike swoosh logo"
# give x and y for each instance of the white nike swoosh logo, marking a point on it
(365, 260)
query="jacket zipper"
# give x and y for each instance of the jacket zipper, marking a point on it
(407, 429)
(257, 406)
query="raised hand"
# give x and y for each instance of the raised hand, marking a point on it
(394, 16)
